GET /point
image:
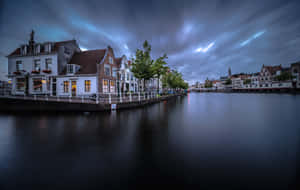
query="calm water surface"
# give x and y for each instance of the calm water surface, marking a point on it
(209, 139)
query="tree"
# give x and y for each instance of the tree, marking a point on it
(247, 81)
(159, 68)
(228, 81)
(173, 79)
(208, 84)
(284, 76)
(142, 64)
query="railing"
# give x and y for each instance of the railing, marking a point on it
(98, 98)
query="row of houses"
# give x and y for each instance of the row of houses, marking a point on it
(63, 69)
(268, 77)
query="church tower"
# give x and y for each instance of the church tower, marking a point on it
(229, 72)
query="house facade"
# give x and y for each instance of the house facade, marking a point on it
(295, 70)
(89, 73)
(33, 67)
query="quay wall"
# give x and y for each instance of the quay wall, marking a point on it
(21, 105)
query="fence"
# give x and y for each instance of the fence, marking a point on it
(103, 98)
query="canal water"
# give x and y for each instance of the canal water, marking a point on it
(202, 139)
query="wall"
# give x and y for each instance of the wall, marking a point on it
(80, 85)
(27, 62)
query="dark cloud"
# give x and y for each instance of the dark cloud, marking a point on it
(244, 34)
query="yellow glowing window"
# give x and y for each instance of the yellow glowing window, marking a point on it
(87, 85)
(105, 82)
(112, 83)
(66, 86)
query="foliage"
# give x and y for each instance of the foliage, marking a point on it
(284, 76)
(173, 79)
(247, 81)
(158, 68)
(208, 84)
(142, 64)
(228, 81)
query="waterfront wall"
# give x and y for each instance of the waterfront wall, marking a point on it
(26, 105)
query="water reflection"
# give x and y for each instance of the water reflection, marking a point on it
(201, 139)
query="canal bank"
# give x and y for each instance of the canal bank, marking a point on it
(22, 105)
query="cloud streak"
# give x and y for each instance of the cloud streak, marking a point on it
(201, 38)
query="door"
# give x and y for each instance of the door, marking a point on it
(74, 88)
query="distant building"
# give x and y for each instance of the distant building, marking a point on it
(295, 71)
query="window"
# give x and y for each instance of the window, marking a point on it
(48, 84)
(127, 76)
(70, 68)
(37, 65)
(67, 50)
(112, 83)
(107, 70)
(20, 84)
(295, 71)
(19, 66)
(37, 85)
(87, 85)
(66, 86)
(111, 60)
(49, 64)
(105, 86)
(114, 73)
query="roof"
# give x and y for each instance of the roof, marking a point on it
(273, 69)
(87, 60)
(42, 50)
(118, 61)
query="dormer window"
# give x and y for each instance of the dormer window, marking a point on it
(70, 68)
(24, 50)
(48, 47)
(37, 49)
(19, 66)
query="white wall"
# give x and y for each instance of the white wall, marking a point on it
(28, 61)
(80, 85)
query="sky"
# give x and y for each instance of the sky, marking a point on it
(201, 38)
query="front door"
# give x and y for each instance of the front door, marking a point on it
(74, 88)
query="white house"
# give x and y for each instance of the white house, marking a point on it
(33, 67)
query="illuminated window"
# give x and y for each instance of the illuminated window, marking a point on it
(112, 83)
(66, 86)
(87, 85)
(37, 85)
(20, 84)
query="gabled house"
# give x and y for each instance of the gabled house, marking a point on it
(267, 75)
(33, 67)
(88, 73)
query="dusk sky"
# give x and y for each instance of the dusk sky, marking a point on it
(201, 38)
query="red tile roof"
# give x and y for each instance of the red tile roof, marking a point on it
(87, 60)
(273, 69)
(118, 61)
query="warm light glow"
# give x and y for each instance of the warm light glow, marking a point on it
(44, 81)
(9, 82)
